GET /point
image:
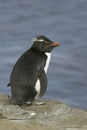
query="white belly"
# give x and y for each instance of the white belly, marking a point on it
(48, 61)
(37, 88)
(37, 85)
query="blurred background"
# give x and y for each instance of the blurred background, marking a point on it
(60, 20)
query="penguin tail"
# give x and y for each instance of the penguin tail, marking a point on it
(8, 84)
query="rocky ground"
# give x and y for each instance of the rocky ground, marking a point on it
(52, 115)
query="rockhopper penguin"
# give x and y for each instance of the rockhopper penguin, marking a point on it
(28, 79)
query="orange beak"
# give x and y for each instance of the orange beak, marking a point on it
(55, 44)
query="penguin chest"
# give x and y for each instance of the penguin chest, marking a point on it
(47, 61)
(39, 86)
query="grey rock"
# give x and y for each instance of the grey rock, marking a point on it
(52, 115)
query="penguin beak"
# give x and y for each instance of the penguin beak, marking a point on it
(55, 44)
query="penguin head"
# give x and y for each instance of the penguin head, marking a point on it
(43, 44)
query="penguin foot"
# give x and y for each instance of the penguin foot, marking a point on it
(39, 103)
(28, 103)
(16, 103)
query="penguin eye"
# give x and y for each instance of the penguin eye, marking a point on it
(46, 42)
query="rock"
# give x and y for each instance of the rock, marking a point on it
(4, 97)
(52, 115)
